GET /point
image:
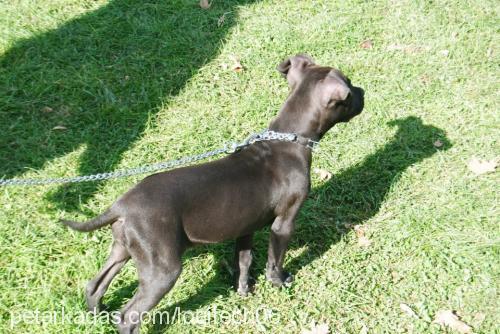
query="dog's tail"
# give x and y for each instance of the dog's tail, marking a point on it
(105, 218)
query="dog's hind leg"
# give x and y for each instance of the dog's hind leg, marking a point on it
(96, 288)
(157, 276)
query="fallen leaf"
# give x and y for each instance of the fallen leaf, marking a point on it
(408, 310)
(59, 127)
(205, 4)
(425, 79)
(237, 67)
(127, 78)
(324, 175)
(317, 329)
(450, 319)
(438, 144)
(366, 44)
(479, 167)
(489, 52)
(363, 240)
(47, 109)
(359, 230)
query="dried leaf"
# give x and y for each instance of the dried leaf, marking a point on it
(317, 329)
(479, 167)
(59, 127)
(363, 240)
(489, 52)
(205, 4)
(359, 230)
(323, 174)
(408, 310)
(396, 277)
(425, 79)
(237, 67)
(47, 109)
(438, 144)
(367, 44)
(450, 319)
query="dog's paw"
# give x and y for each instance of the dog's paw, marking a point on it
(245, 289)
(94, 306)
(94, 310)
(288, 280)
(285, 280)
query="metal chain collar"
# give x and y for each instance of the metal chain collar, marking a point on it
(228, 148)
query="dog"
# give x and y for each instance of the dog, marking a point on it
(262, 184)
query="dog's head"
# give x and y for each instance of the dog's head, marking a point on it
(327, 90)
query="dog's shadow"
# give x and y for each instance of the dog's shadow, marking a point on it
(356, 194)
(352, 196)
(94, 83)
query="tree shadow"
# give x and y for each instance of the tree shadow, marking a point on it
(353, 196)
(101, 76)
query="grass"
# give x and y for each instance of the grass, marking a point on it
(135, 82)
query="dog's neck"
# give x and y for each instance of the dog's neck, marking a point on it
(300, 116)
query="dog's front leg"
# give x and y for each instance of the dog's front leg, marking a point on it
(243, 260)
(281, 232)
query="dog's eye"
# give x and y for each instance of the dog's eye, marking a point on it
(338, 103)
(331, 103)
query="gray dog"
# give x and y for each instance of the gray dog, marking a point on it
(262, 184)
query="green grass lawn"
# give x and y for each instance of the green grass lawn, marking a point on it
(93, 85)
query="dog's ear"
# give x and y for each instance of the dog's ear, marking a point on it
(292, 67)
(335, 88)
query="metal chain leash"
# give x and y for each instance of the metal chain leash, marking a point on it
(228, 148)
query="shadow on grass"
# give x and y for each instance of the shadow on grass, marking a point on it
(357, 193)
(102, 76)
(352, 196)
